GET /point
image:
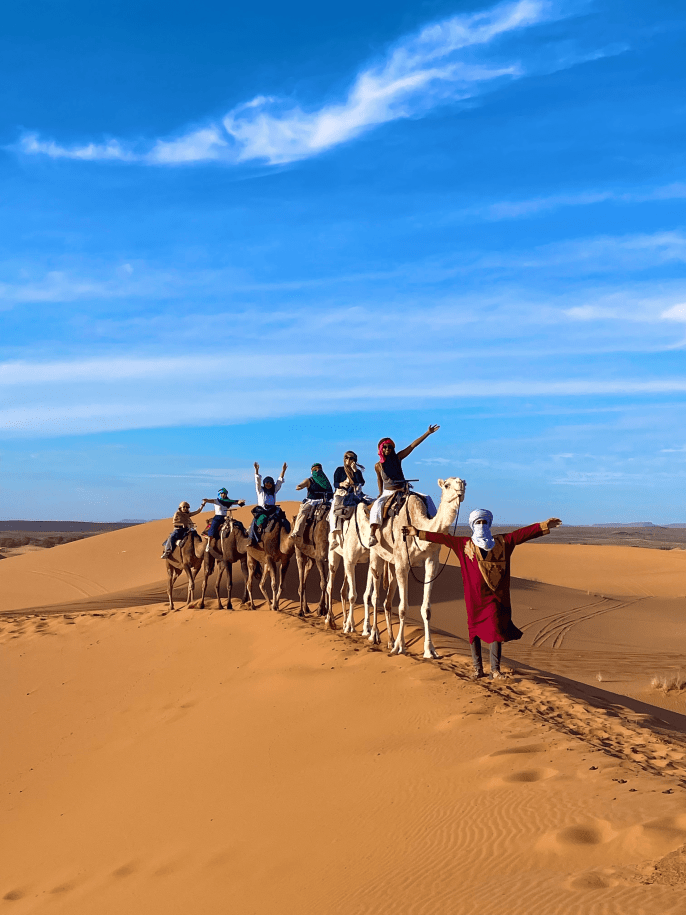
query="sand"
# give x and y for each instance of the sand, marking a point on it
(215, 761)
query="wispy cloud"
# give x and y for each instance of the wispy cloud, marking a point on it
(436, 65)
(516, 209)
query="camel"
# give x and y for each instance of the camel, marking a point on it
(353, 551)
(276, 549)
(187, 558)
(393, 549)
(224, 559)
(309, 552)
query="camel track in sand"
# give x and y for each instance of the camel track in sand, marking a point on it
(558, 625)
(65, 577)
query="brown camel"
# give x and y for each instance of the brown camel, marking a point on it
(273, 553)
(312, 548)
(222, 554)
(188, 558)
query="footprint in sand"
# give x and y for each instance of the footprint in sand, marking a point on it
(527, 776)
(578, 836)
(527, 748)
(14, 895)
(589, 881)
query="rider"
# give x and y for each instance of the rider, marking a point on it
(319, 491)
(182, 525)
(348, 481)
(222, 504)
(390, 477)
(485, 567)
(266, 499)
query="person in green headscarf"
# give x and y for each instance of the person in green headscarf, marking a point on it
(319, 491)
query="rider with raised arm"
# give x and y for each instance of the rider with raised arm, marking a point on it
(222, 504)
(319, 491)
(485, 567)
(390, 476)
(266, 499)
(348, 482)
(182, 525)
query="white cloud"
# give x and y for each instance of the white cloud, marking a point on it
(675, 313)
(423, 70)
(30, 144)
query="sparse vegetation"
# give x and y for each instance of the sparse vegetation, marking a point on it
(668, 683)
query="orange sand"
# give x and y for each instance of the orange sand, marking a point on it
(217, 762)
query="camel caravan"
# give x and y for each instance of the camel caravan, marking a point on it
(335, 523)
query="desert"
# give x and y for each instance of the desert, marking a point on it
(214, 761)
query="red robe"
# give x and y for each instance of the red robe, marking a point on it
(487, 582)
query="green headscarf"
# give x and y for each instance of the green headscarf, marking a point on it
(319, 477)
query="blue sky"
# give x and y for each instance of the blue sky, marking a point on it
(234, 234)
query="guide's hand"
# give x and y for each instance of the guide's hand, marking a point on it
(553, 522)
(409, 531)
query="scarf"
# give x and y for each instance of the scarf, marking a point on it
(385, 441)
(485, 539)
(320, 478)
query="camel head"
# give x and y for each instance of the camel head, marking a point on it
(453, 489)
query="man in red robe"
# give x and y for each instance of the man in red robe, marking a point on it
(485, 566)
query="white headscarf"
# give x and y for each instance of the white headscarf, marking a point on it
(485, 540)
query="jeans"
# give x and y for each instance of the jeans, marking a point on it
(496, 652)
(215, 525)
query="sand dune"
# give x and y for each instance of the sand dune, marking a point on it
(253, 762)
(612, 570)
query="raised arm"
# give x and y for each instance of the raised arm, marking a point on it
(410, 448)
(198, 510)
(304, 484)
(539, 529)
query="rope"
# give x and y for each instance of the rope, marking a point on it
(407, 547)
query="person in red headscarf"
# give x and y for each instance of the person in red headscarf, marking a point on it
(390, 476)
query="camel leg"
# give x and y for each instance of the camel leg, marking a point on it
(307, 568)
(322, 565)
(370, 598)
(252, 563)
(388, 603)
(330, 621)
(266, 569)
(349, 625)
(228, 567)
(304, 564)
(208, 566)
(399, 644)
(172, 575)
(221, 567)
(244, 570)
(283, 568)
(430, 568)
(190, 574)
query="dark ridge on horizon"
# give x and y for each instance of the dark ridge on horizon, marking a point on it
(59, 526)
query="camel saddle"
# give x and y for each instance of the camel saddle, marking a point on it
(314, 514)
(265, 521)
(397, 502)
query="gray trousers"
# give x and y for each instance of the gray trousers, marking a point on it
(496, 652)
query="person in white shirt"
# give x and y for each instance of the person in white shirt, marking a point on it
(266, 499)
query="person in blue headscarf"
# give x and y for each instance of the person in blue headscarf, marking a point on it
(222, 504)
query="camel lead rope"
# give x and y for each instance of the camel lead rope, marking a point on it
(431, 580)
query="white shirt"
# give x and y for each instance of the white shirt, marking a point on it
(265, 499)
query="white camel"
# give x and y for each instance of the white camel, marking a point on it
(402, 554)
(354, 549)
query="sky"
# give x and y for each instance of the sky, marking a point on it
(272, 232)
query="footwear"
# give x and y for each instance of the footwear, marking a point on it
(165, 555)
(372, 540)
(497, 675)
(478, 674)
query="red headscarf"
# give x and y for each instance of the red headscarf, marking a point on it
(385, 441)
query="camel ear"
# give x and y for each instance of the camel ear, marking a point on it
(440, 483)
